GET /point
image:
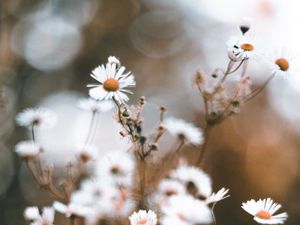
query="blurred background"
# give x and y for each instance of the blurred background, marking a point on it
(48, 49)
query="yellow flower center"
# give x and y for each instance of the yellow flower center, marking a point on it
(111, 84)
(282, 63)
(142, 221)
(262, 214)
(247, 47)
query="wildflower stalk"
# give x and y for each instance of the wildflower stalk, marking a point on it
(142, 178)
(207, 133)
(89, 135)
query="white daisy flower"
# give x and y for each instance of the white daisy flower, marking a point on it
(182, 129)
(113, 83)
(196, 182)
(46, 218)
(240, 48)
(166, 189)
(38, 117)
(93, 105)
(27, 149)
(169, 187)
(143, 217)
(281, 62)
(117, 166)
(86, 153)
(216, 197)
(187, 209)
(263, 211)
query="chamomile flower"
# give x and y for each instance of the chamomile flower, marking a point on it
(186, 210)
(143, 217)
(27, 149)
(263, 211)
(186, 131)
(46, 218)
(196, 182)
(240, 48)
(216, 197)
(93, 105)
(39, 117)
(116, 166)
(113, 83)
(281, 63)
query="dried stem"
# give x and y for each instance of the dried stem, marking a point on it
(142, 177)
(207, 133)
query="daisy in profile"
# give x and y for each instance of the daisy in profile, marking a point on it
(184, 131)
(263, 211)
(39, 117)
(46, 218)
(240, 48)
(143, 217)
(28, 149)
(95, 106)
(216, 197)
(112, 82)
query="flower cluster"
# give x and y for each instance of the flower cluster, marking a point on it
(223, 97)
(116, 187)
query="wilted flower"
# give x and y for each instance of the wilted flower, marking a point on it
(38, 117)
(240, 48)
(186, 131)
(263, 211)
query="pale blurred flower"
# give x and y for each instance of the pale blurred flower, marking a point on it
(216, 197)
(263, 211)
(143, 217)
(186, 210)
(86, 153)
(38, 117)
(113, 83)
(117, 166)
(182, 129)
(70, 209)
(46, 218)
(169, 187)
(194, 179)
(114, 60)
(93, 105)
(32, 213)
(27, 149)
